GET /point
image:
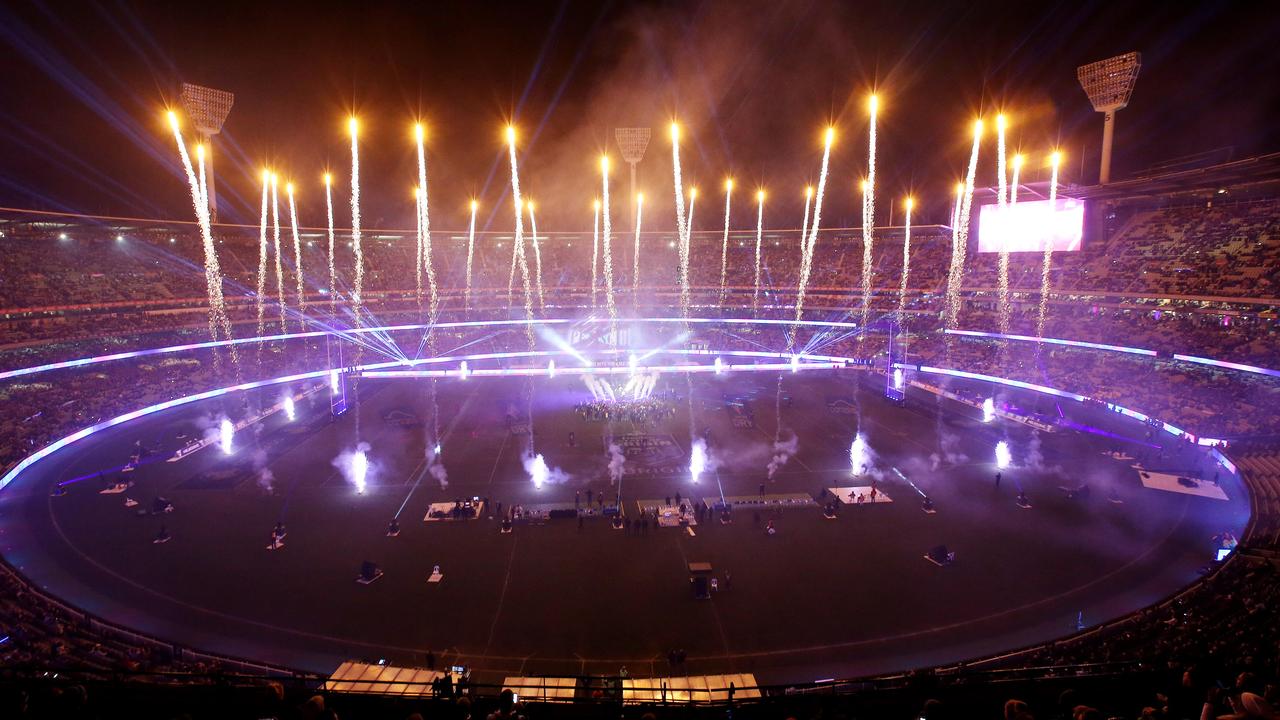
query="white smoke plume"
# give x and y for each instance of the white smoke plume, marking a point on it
(539, 473)
(783, 449)
(265, 478)
(948, 451)
(616, 461)
(441, 475)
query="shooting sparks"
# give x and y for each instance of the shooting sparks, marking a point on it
(424, 222)
(357, 294)
(1001, 190)
(1003, 457)
(297, 249)
(960, 230)
(635, 255)
(328, 210)
(724, 246)
(537, 254)
(697, 459)
(226, 436)
(258, 300)
(907, 204)
(1013, 184)
(755, 298)
(1055, 162)
(471, 251)
(606, 236)
(869, 208)
(809, 237)
(681, 238)
(279, 254)
(595, 252)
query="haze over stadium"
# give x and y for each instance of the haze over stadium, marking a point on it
(504, 426)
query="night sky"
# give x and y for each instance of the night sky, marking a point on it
(753, 83)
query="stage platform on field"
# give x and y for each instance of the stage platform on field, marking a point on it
(1172, 482)
(850, 495)
(770, 500)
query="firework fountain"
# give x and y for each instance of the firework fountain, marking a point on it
(755, 298)
(328, 210)
(960, 231)
(534, 464)
(1055, 161)
(471, 251)
(1003, 457)
(357, 293)
(537, 254)
(1013, 184)
(606, 237)
(518, 250)
(417, 265)
(906, 260)
(683, 242)
(869, 208)
(226, 436)
(212, 272)
(424, 223)
(860, 455)
(595, 251)
(259, 305)
(635, 255)
(1001, 199)
(724, 245)
(279, 255)
(297, 248)
(809, 236)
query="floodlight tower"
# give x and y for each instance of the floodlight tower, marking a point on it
(208, 109)
(632, 142)
(1109, 83)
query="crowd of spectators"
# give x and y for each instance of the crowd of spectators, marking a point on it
(1199, 280)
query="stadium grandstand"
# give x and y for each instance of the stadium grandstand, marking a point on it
(696, 445)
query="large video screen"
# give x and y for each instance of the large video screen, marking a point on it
(1030, 226)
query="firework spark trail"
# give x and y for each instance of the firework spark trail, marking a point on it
(518, 204)
(328, 206)
(606, 238)
(202, 215)
(635, 256)
(595, 252)
(275, 230)
(1001, 192)
(1055, 161)
(471, 251)
(537, 254)
(869, 210)
(212, 272)
(678, 187)
(960, 232)
(1013, 184)
(809, 237)
(906, 262)
(357, 293)
(755, 298)
(417, 264)
(259, 305)
(724, 245)
(511, 278)
(297, 251)
(424, 215)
